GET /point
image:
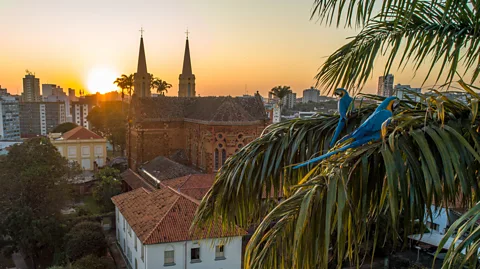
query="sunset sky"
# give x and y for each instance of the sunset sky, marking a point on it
(254, 43)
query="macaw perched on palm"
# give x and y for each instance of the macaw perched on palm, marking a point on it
(343, 105)
(367, 132)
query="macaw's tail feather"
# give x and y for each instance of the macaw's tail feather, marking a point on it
(340, 126)
(354, 144)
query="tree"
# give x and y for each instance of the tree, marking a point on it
(33, 177)
(108, 186)
(109, 120)
(280, 92)
(161, 86)
(93, 262)
(125, 83)
(64, 127)
(428, 154)
(85, 238)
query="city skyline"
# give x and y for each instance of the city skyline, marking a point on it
(230, 56)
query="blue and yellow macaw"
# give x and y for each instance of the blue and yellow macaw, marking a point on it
(343, 105)
(368, 131)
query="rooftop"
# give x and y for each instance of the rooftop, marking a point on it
(162, 168)
(208, 109)
(80, 133)
(164, 215)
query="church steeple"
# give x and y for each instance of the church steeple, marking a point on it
(186, 87)
(142, 77)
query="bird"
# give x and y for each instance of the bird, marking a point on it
(343, 105)
(368, 131)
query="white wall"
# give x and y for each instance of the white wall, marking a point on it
(440, 217)
(232, 249)
(124, 236)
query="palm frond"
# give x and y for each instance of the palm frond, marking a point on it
(449, 37)
(331, 214)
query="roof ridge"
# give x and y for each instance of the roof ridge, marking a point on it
(180, 193)
(160, 221)
(225, 98)
(188, 178)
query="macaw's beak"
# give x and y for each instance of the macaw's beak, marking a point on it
(395, 105)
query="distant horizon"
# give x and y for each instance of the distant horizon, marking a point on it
(236, 47)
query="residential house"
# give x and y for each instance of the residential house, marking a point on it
(153, 228)
(83, 146)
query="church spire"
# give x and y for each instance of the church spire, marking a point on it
(187, 65)
(142, 77)
(142, 62)
(186, 87)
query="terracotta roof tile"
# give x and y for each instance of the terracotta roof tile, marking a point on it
(80, 133)
(135, 181)
(164, 215)
(194, 186)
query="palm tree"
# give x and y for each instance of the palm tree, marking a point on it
(125, 83)
(161, 86)
(332, 213)
(280, 92)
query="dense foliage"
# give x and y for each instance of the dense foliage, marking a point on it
(85, 238)
(93, 262)
(64, 127)
(110, 121)
(107, 186)
(33, 177)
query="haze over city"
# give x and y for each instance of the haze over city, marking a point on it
(236, 46)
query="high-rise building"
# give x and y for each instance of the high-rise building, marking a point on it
(47, 90)
(31, 88)
(71, 94)
(289, 100)
(186, 85)
(79, 111)
(9, 118)
(405, 92)
(310, 95)
(40, 118)
(3, 91)
(385, 85)
(142, 77)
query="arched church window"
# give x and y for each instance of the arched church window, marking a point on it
(224, 156)
(215, 161)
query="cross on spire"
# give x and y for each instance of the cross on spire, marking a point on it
(141, 32)
(187, 32)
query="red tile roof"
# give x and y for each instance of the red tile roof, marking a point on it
(80, 133)
(194, 186)
(164, 215)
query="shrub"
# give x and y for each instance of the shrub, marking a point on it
(84, 239)
(93, 262)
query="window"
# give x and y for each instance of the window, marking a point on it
(136, 263)
(169, 257)
(129, 229)
(124, 224)
(98, 150)
(215, 160)
(219, 252)
(195, 254)
(143, 253)
(224, 156)
(433, 226)
(135, 244)
(129, 254)
(85, 151)
(72, 151)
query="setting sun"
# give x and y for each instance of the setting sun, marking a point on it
(100, 79)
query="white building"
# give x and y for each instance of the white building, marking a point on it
(385, 85)
(9, 118)
(405, 92)
(289, 100)
(310, 95)
(79, 111)
(153, 228)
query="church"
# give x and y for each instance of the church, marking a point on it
(204, 131)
